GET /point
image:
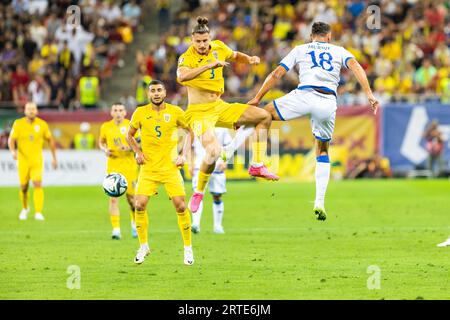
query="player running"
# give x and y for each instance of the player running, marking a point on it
(29, 134)
(158, 122)
(120, 159)
(217, 181)
(319, 64)
(200, 69)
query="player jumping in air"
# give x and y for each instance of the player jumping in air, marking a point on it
(158, 123)
(319, 64)
(29, 134)
(217, 181)
(200, 69)
(120, 159)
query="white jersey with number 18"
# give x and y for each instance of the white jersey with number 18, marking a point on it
(319, 64)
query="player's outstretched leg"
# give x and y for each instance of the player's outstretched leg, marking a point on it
(322, 174)
(141, 218)
(262, 120)
(213, 150)
(218, 209)
(23, 194)
(184, 223)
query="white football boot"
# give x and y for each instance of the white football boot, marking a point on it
(141, 254)
(24, 214)
(39, 216)
(219, 230)
(188, 256)
(446, 243)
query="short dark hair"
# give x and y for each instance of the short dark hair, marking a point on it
(202, 26)
(156, 82)
(320, 29)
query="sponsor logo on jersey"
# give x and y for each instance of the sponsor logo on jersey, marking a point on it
(215, 54)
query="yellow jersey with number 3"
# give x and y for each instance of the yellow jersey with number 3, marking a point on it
(159, 135)
(211, 79)
(30, 138)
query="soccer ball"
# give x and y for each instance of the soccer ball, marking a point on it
(115, 184)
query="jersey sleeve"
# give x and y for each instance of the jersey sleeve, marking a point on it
(15, 131)
(290, 60)
(181, 119)
(228, 51)
(346, 55)
(135, 121)
(185, 61)
(47, 132)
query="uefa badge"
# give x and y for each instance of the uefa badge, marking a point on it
(166, 117)
(123, 130)
(215, 55)
(37, 128)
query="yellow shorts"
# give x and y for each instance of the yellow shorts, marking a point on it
(130, 173)
(205, 116)
(148, 183)
(29, 171)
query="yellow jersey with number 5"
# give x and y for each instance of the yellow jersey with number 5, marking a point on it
(159, 135)
(211, 79)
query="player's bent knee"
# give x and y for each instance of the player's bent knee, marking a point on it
(140, 204)
(24, 187)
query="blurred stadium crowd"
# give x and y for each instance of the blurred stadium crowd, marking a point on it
(48, 60)
(407, 59)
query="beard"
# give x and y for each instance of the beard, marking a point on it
(157, 103)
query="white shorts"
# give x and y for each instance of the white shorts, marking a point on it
(320, 107)
(216, 184)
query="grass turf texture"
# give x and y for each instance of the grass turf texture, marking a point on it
(273, 247)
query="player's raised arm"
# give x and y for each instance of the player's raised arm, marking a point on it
(361, 76)
(241, 57)
(268, 84)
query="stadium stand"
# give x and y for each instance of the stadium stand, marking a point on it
(43, 55)
(407, 60)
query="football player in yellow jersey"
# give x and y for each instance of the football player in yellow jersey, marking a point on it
(113, 141)
(158, 123)
(200, 69)
(28, 134)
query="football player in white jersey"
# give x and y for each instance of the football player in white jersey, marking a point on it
(216, 184)
(319, 63)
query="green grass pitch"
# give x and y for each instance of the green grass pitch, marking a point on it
(273, 247)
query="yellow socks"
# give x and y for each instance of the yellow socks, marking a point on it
(202, 181)
(184, 222)
(259, 152)
(115, 221)
(38, 197)
(132, 216)
(23, 199)
(142, 226)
